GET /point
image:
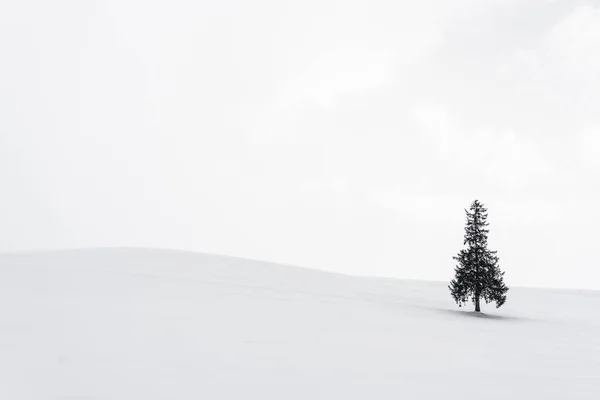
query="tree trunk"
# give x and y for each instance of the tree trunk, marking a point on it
(477, 278)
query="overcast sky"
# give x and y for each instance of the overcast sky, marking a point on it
(341, 135)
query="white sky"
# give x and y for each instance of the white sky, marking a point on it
(342, 135)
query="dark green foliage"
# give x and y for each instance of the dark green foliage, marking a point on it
(477, 274)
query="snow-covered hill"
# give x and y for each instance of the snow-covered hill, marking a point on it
(152, 324)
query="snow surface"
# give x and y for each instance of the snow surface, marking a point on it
(153, 324)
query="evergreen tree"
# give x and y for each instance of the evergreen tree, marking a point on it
(477, 274)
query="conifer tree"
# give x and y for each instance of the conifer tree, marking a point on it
(477, 275)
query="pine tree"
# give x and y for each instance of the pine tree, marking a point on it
(477, 274)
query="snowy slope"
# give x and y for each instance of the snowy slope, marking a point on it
(153, 324)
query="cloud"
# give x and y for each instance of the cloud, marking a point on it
(576, 38)
(525, 211)
(503, 156)
(423, 207)
(335, 74)
(589, 146)
(438, 125)
(513, 160)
